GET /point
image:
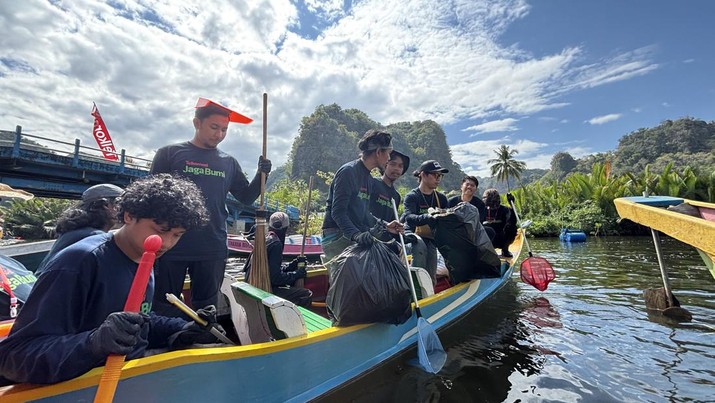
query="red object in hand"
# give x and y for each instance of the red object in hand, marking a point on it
(537, 272)
(136, 293)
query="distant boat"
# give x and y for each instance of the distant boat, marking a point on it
(313, 248)
(693, 225)
(572, 235)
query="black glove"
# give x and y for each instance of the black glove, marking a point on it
(193, 333)
(364, 238)
(118, 334)
(429, 219)
(301, 272)
(297, 263)
(264, 165)
(510, 198)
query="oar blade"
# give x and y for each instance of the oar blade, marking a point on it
(430, 352)
(537, 272)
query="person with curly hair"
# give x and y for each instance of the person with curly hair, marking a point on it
(95, 214)
(73, 318)
(203, 252)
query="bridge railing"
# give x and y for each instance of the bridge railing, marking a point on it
(139, 166)
(78, 151)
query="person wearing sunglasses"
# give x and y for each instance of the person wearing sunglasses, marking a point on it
(419, 222)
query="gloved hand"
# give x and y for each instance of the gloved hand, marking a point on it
(429, 219)
(193, 333)
(364, 238)
(510, 198)
(118, 334)
(301, 272)
(264, 165)
(295, 264)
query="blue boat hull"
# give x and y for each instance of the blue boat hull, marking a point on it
(295, 369)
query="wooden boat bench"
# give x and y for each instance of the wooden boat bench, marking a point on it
(269, 317)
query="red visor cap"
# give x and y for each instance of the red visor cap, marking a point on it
(233, 116)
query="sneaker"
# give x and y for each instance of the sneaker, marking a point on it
(506, 253)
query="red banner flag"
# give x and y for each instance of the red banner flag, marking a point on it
(102, 135)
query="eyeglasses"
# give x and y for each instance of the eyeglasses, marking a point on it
(437, 174)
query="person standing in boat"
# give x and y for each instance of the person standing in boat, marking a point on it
(501, 220)
(469, 187)
(74, 317)
(416, 213)
(347, 215)
(95, 214)
(283, 276)
(203, 252)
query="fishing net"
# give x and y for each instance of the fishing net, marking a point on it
(538, 272)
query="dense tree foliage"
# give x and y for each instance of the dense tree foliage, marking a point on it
(505, 165)
(562, 163)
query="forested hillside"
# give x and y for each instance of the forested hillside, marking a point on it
(328, 138)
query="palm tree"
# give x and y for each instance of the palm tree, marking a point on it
(505, 165)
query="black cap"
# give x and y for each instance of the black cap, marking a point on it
(405, 160)
(103, 190)
(430, 166)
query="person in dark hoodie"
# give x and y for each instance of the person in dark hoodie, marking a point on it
(283, 276)
(501, 219)
(73, 318)
(95, 214)
(347, 214)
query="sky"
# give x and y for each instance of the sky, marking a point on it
(541, 77)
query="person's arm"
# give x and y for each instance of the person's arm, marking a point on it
(45, 345)
(246, 192)
(344, 192)
(411, 215)
(161, 327)
(279, 277)
(161, 163)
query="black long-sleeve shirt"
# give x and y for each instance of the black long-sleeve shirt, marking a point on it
(476, 202)
(416, 206)
(348, 205)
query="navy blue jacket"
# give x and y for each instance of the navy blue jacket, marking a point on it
(417, 205)
(348, 206)
(81, 286)
(380, 200)
(65, 240)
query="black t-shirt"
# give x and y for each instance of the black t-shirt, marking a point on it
(417, 204)
(216, 174)
(380, 200)
(80, 287)
(476, 202)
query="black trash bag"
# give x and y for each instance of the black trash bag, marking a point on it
(20, 281)
(368, 285)
(465, 245)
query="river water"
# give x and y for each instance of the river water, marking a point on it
(588, 338)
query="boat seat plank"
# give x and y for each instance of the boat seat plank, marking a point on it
(313, 321)
(423, 282)
(656, 201)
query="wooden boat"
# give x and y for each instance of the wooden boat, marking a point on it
(697, 230)
(572, 235)
(291, 248)
(307, 365)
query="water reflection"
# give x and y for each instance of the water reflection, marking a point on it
(588, 338)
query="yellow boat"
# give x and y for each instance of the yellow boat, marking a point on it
(697, 230)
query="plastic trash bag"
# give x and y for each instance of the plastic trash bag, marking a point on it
(465, 245)
(367, 285)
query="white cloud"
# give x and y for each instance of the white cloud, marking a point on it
(473, 156)
(503, 125)
(599, 120)
(145, 63)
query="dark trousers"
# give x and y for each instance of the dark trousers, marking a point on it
(169, 276)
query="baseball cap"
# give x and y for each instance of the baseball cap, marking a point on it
(233, 116)
(279, 220)
(103, 190)
(430, 166)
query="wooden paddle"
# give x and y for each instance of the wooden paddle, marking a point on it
(300, 283)
(536, 271)
(430, 352)
(113, 368)
(259, 275)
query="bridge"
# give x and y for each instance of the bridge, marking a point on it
(52, 168)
